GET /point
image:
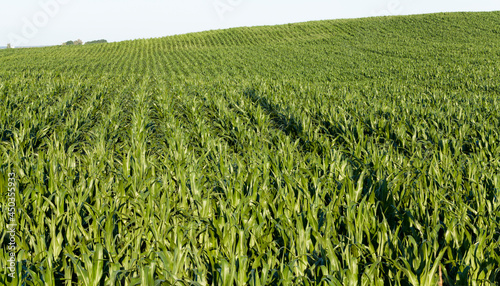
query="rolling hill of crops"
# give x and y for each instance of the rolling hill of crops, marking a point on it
(345, 152)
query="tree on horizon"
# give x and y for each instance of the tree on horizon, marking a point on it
(102, 41)
(73, 43)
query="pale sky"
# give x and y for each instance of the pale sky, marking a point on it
(51, 22)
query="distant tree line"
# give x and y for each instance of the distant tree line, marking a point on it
(73, 43)
(102, 41)
(80, 42)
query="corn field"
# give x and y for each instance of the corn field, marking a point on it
(345, 152)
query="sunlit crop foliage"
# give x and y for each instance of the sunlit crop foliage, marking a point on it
(349, 152)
